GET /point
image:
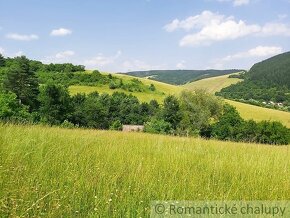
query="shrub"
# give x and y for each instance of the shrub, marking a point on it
(67, 124)
(116, 125)
(12, 110)
(152, 87)
(112, 85)
(157, 126)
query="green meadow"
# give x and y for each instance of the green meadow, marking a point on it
(54, 172)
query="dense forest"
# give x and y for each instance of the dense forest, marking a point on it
(180, 77)
(266, 84)
(23, 99)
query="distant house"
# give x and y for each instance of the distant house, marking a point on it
(272, 103)
(280, 104)
(133, 128)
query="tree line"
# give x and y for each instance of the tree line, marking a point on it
(24, 99)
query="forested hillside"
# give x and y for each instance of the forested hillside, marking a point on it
(266, 84)
(30, 95)
(180, 77)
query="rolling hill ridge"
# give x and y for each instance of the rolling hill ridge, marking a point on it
(180, 77)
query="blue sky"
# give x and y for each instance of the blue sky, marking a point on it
(124, 35)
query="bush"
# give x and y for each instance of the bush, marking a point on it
(273, 133)
(227, 127)
(116, 125)
(68, 125)
(112, 85)
(152, 87)
(12, 110)
(157, 126)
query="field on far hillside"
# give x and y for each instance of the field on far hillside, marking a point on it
(248, 111)
(53, 172)
(162, 89)
(213, 84)
(142, 96)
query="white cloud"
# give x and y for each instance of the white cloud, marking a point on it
(209, 27)
(264, 51)
(64, 54)
(16, 54)
(241, 2)
(227, 30)
(61, 32)
(60, 57)
(19, 37)
(279, 29)
(135, 65)
(198, 21)
(2, 50)
(254, 54)
(100, 60)
(181, 65)
(237, 2)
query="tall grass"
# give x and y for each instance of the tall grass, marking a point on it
(55, 172)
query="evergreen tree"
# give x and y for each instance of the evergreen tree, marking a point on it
(171, 113)
(22, 81)
(55, 104)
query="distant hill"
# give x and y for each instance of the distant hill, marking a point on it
(274, 71)
(266, 84)
(180, 77)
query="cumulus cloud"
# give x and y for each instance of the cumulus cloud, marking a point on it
(227, 30)
(259, 51)
(271, 29)
(204, 19)
(254, 54)
(237, 2)
(19, 37)
(60, 57)
(101, 60)
(209, 27)
(60, 32)
(64, 54)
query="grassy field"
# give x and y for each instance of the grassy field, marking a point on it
(248, 111)
(213, 84)
(55, 172)
(142, 96)
(162, 89)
